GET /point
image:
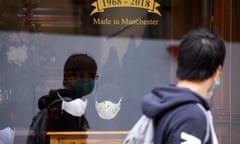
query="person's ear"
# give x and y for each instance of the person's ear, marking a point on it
(218, 72)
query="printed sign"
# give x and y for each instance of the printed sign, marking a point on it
(150, 5)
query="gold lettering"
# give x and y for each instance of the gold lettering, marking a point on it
(139, 22)
(111, 3)
(102, 21)
(150, 5)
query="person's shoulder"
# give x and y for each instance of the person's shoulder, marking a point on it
(190, 110)
(186, 119)
(190, 113)
(47, 99)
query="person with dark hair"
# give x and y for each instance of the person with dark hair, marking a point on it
(78, 81)
(181, 112)
(64, 109)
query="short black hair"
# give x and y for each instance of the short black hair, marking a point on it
(201, 52)
(76, 63)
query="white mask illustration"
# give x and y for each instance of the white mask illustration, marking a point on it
(76, 107)
(7, 135)
(107, 109)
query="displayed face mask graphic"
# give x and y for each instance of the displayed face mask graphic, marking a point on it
(7, 136)
(214, 87)
(85, 87)
(76, 107)
(107, 109)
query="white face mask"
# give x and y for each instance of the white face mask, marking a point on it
(76, 107)
(107, 109)
(7, 136)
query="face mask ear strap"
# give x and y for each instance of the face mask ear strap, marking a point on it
(119, 102)
(61, 99)
(60, 96)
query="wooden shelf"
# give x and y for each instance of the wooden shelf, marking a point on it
(88, 137)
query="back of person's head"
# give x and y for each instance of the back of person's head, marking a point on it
(77, 65)
(200, 54)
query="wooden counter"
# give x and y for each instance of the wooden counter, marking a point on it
(89, 137)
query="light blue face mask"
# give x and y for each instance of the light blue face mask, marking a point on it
(85, 87)
(215, 86)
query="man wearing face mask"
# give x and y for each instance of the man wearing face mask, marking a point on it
(181, 112)
(79, 80)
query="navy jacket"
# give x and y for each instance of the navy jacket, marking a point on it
(177, 117)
